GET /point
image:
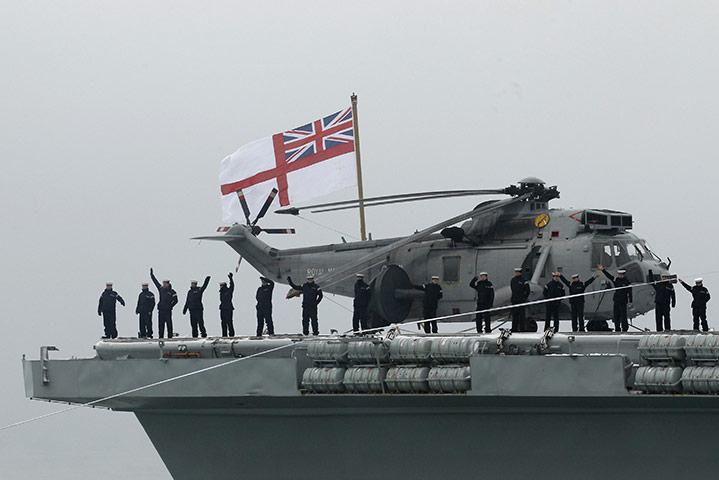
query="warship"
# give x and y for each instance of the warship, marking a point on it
(398, 405)
(393, 404)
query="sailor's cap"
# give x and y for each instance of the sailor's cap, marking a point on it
(621, 272)
(145, 284)
(360, 275)
(310, 277)
(666, 274)
(518, 269)
(555, 274)
(165, 281)
(193, 281)
(576, 275)
(435, 277)
(484, 273)
(698, 280)
(223, 283)
(108, 284)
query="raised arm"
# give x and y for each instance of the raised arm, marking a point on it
(293, 285)
(204, 285)
(689, 289)
(473, 282)
(564, 280)
(606, 274)
(154, 280)
(590, 281)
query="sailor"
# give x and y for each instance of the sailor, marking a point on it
(168, 299)
(311, 297)
(485, 300)
(193, 303)
(622, 298)
(553, 289)
(226, 307)
(430, 301)
(520, 294)
(577, 287)
(700, 297)
(106, 309)
(360, 304)
(664, 300)
(264, 306)
(145, 306)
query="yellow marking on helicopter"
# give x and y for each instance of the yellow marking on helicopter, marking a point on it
(541, 221)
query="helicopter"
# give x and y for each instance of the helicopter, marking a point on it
(496, 236)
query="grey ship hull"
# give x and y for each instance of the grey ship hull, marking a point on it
(540, 408)
(440, 437)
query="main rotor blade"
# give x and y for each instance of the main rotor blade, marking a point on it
(266, 206)
(402, 200)
(367, 201)
(278, 230)
(340, 272)
(243, 202)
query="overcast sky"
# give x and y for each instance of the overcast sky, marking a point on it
(115, 115)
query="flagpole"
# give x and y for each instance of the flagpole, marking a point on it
(360, 192)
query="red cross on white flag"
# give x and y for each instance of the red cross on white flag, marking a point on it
(303, 163)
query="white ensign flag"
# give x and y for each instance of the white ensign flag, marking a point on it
(302, 163)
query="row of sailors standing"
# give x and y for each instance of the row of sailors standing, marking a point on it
(193, 304)
(665, 299)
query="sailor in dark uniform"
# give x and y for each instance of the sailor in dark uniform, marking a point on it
(622, 298)
(106, 309)
(700, 297)
(226, 307)
(360, 304)
(264, 306)
(430, 302)
(168, 299)
(485, 300)
(577, 287)
(553, 289)
(193, 303)
(145, 306)
(664, 300)
(311, 298)
(520, 294)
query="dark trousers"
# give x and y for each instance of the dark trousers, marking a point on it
(164, 318)
(620, 317)
(108, 320)
(360, 318)
(552, 312)
(146, 324)
(264, 316)
(309, 314)
(430, 326)
(519, 319)
(197, 320)
(228, 329)
(662, 316)
(577, 317)
(486, 317)
(700, 314)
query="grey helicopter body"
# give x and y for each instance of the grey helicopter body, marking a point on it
(495, 237)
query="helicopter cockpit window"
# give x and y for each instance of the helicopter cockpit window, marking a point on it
(451, 269)
(601, 254)
(651, 254)
(620, 254)
(635, 251)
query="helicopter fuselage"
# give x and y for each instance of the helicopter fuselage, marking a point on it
(533, 237)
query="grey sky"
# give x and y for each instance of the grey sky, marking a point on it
(115, 116)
